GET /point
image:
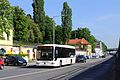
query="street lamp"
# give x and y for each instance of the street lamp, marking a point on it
(54, 27)
(53, 33)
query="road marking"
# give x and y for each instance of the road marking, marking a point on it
(26, 74)
(23, 74)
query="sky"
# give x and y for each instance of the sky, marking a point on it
(102, 17)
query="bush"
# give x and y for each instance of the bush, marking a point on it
(23, 55)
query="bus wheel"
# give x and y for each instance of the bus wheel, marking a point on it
(60, 63)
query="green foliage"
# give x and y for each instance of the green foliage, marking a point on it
(92, 40)
(104, 47)
(86, 34)
(83, 33)
(58, 34)
(20, 25)
(49, 23)
(22, 55)
(35, 36)
(31, 37)
(66, 22)
(5, 18)
(39, 14)
(38, 35)
(26, 31)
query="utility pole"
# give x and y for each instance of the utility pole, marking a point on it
(54, 28)
(53, 33)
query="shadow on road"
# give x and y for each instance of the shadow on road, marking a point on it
(38, 67)
(49, 67)
(103, 71)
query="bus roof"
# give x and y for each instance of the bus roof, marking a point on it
(58, 45)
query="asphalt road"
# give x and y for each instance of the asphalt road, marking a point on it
(72, 72)
(103, 71)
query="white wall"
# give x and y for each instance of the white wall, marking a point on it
(81, 53)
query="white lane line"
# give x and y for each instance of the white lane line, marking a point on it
(26, 74)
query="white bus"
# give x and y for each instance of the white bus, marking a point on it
(55, 55)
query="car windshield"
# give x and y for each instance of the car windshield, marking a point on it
(19, 58)
(81, 56)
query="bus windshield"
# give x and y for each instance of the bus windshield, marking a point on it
(45, 53)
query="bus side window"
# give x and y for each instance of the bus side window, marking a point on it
(71, 53)
(56, 54)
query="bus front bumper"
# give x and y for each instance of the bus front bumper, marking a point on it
(46, 63)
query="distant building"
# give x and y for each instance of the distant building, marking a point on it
(6, 47)
(98, 49)
(7, 43)
(8, 39)
(82, 46)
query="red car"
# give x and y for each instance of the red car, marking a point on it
(1, 63)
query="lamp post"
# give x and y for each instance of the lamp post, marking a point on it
(53, 33)
(54, 27)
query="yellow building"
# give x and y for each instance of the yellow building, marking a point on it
(6, 47)
(89, 50)
(82, 46)
(7, 43)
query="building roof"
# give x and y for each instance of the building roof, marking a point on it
(78, 41)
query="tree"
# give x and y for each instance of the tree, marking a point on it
(31, 37)
(5, 18)
(83, 33)
(86, 34)
(74, 34)
(104, 47)
(20, 25)
(49, 23)
(35, 36)
(58, 34)
(39, 14)
(92, 40)
(66, 22)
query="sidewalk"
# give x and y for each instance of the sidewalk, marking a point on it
(97, 59)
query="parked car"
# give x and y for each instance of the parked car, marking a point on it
(15, 60)
(87, 57)
(80, 58)
(1, 63)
